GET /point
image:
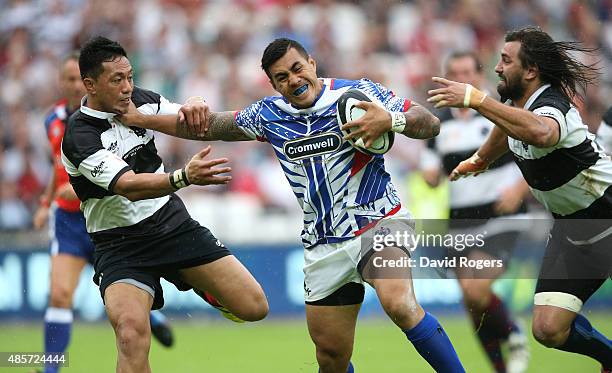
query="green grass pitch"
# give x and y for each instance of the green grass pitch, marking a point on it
(217, 345)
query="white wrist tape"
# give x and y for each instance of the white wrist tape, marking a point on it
(178, 178)
(398, 121)
(475, 158)
(468, 95)
(469, 101)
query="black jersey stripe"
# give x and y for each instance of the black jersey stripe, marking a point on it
(557, 167)
(88, 131)
(143, 158)
(553, 98)
(142, 97)
(85, 189)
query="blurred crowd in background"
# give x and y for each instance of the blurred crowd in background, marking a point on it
(182, 48)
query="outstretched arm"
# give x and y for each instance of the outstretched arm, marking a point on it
(417, 122)
(494, 147)
(198, 171)
(517, 123)
(221, 126)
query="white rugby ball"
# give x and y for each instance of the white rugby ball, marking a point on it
(347, 112)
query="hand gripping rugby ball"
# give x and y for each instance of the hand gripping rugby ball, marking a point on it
(347, 111)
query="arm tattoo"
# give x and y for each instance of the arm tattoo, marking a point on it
(183, 131)
(221, 126)
(420, 123)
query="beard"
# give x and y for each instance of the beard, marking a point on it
(510, 89)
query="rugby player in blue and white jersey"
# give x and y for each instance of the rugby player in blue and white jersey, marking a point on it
(343, 192)
(567, 171)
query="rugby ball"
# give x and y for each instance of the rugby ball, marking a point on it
(346, 111)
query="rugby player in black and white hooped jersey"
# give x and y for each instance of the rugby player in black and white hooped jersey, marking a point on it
(475, 206)
(70, 248)
(567, 171)
(140, 228)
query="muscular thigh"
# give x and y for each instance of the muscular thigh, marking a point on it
(225, 278)
(332, 327)
(125, 302)
(376, 266)
(570, 273)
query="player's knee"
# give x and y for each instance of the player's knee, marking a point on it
(61, 296)
(133, 333)
(395, 308)
(333, 354)
(400, 310)
(254, 307)
(549, 334)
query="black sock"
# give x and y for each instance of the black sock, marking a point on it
(585, 340)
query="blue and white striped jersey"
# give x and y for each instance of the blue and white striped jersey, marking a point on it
(342, 191)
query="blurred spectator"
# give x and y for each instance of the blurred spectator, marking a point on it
(13, 212)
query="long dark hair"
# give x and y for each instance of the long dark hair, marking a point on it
(553, 60)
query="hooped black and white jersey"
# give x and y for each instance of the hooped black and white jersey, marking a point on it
(569, 177)
(604, 132)
(97, 149)
(460, 137)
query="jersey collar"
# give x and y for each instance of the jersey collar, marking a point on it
(535, 95)
(94, 113)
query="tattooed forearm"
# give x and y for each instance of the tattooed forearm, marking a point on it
(420, 123)
(182, 130)
(221, 126)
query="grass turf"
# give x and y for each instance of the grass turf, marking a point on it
(217, 345)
